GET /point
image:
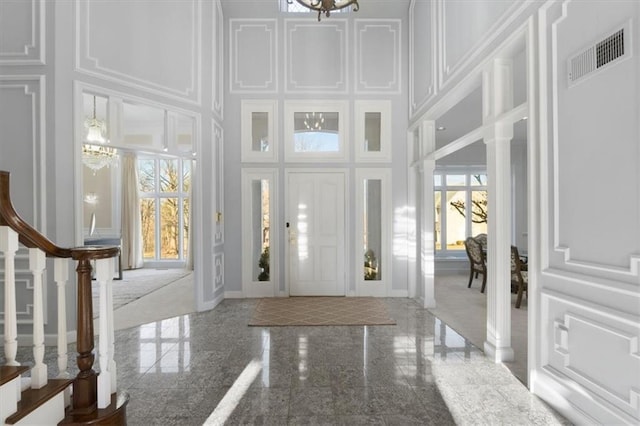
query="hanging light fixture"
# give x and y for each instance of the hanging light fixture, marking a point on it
(313, 121)
(326, 6)
(95, 153)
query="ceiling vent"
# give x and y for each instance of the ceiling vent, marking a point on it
(607, 51)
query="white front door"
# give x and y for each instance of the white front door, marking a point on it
(316, 233)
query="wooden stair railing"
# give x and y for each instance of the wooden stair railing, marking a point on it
(84, 408)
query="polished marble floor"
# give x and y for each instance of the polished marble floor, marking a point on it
(211, 368)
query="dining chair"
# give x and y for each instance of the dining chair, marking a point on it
(482, 239)
(519, 275)
(476, 261)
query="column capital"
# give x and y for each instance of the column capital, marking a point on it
(498, 131)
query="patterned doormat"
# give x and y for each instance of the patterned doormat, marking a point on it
(272, 312)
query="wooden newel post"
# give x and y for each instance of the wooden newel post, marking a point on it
(85, 386)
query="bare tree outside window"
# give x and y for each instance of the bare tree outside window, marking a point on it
(478, 204)
(164, 184)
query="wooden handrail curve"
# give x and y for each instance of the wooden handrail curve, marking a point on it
(85, 384)
(31, 238)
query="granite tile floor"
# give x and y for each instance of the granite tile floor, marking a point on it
(211, 368)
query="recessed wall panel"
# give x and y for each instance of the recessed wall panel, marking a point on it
(21, 32)
(378, 47)
(156, 46)
(422, 54)
(596, 187)
(218, 60)
(22, 145)
(573, 327)
(253, 55)
(467, 27)
(316, 56)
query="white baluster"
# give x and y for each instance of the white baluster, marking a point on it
(9, 246)
(112, 340)
(61, 276)
(104, 274)
(37, 264)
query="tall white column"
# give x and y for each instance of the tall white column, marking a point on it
(498, 98)
(428, 259)
(9, 247)
(427, 230)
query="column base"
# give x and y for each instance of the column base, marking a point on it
(498, 354)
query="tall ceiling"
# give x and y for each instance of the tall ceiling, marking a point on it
(271, 8)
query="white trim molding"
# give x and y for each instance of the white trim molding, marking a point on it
(303, 76)
(247, 110)
(32, 52)
(87, 63)
(265, 32)
(367, 56)
(429, 46)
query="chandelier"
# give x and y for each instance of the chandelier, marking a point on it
(95, 153)
(313, 121)
(326, 6)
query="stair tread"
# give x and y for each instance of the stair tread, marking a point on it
(114, 414)
(8, 373)
(33, 398)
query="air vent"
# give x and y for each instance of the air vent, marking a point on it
(610, 49)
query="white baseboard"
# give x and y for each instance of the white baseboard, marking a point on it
(233, 295)
(554, 392)
(398, 293)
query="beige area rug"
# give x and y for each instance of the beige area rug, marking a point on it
(320, 311)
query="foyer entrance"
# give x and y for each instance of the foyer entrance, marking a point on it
(315, 232)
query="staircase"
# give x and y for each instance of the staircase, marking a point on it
(27, 395)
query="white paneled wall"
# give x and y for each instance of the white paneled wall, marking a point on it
(253, 53)
(323, 68)
(590, 282)
(378, 48)
(165, 39)
(22, 36)
(422, 48)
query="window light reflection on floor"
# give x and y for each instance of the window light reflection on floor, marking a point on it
(235, 393)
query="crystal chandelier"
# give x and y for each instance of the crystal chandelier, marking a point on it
(313, 121)
(326, 6)
(95, 153)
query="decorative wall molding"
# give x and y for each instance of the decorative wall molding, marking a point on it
(376, 38)
(218, 186)
(449, 71)
(632, 271)
(31, 87)
(24, 288)
(217, 44)
(218, 267)
(586, 267)
(30, 50)
(253, 55)
(553, 276)
(422, 47)
(577, 325)
(324, 70)
(145, 78)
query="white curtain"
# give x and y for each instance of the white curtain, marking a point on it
(131, 220)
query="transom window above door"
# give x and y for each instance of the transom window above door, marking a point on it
(315, 131)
